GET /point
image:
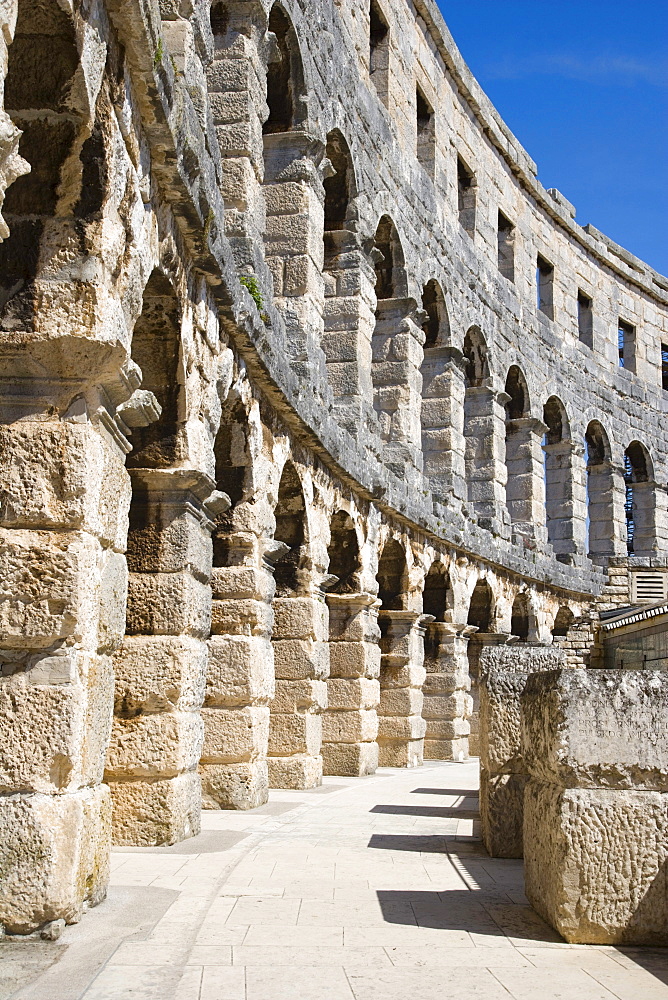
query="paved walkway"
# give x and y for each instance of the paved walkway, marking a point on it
(371, 889)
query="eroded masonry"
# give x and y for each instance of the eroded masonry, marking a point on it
(330, 440)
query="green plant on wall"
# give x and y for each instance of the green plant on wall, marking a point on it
(249, 281)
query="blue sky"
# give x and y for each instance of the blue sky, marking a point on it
(584, 87)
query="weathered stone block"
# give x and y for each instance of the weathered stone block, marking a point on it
(235, 786)
(350, 727)
(350, 759)
(354, 659)
(295, 734)
(299, 771)
(501, 813)
(240, 670)
(151, 813)
(159, 674)
(299, 696)
(353, 693)
(241, 617)
(168, 604)
(300, 659)
(54, 856)
(300, 618)
(148, 747)
(401, 754)
(233, 735)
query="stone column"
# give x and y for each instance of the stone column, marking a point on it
(484, 431)
(447, 702)
(504, 671)
(596, 804)
(294, 198)
(348, 326)
(645, 539)
(397, 355)
(236, 83)
(301, 657)
(443, 393)
(240, 676)
(350, 724)
(401, 728)
(477, 643)
(566, 535)
(525, 489)
(63, 521)
(160, 668)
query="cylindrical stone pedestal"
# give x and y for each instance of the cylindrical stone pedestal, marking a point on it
(350, 724)
(447, 702)
(596, 804)
(401, 727)
(301, 658)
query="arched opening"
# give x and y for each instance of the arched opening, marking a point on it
(285, 77)
(344, 556)
(476, 356)
(600, 494)
(389, 263)
(519, 619)
(481, 608)
(562, 623)
(339, 185)
(42, 62)
(436, 327)
(519, 461)
(290, 516)
(156, 348)
(481, 469)
(557, 457)
(640, 501)
(392, 577)
(434, 602)
(233, 467)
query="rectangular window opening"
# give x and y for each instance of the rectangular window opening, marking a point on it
(626, 345)
(379, 51)
(545, 286)
(664, 367)
(506, 247)
(426, 133)
(585, 319)
(466, 197)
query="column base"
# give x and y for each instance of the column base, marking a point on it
(353, 760)
(457, 749)
(234, 786)
(54, 856)
(401, 754)
(156, 813)
(299, 772)
(502, 813)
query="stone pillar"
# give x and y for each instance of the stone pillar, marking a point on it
(447, 702)
(301, 657)
(596, 804)
(525, 489)
(236, 83)
(160, 668)
(477, 643)
(443, 447)
(240, 676)
(397, 356)
(645, 539)
(484, 431)
(63, 521)
(565, 530)
(504, 671)
(401, 728)
(294, 198)
(350, 724)
(348, 326)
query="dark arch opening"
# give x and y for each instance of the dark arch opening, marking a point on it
(516, 387)
(285, 78)
(600, 509)
(477, 362)
(389, 277)
(435, 594)
(42, 61)
(338, 187)
(232, 468)
(220, 19)
(480, 607)
(156, 348)
(562, 622)
(392, 576)
(436, 327)
(343, 552)
(519, 620)
(290, 516)
(554, 418)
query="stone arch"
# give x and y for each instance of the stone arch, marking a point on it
(562, 622)
(392, 576)
(558, 458)
(520, 617)
(482, 415)
(476, 355)
(481, 617)
(156, 349)
(292, 531)
(391, 281)
(600, 493)
(42, 66)
(481, 607)
(441, 412)
(344, 554)
(436, 325)
(640, 501)
(286, 92)
(233, 472)
(436, 592)
(523, 438)
(340, 186)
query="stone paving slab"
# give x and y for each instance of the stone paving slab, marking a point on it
(364, 890)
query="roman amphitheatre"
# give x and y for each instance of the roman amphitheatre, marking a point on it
(334, 524)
